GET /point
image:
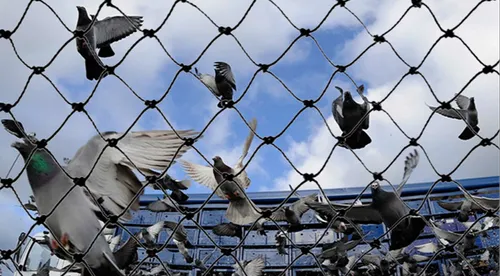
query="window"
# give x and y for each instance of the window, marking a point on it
(39, 255)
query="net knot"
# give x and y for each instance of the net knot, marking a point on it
(308, 103)
(487, 69)
(113, 219)
(37, 70)
(377, 176)
(445, 105)
(78, 257)
(112, 142)
(308, 176)
(445, 178)
(79, 181)
(185, 68)
(341, 2)
(108, 3)
(41, 144)
(375, 244)
(341, 212)
(413, 70)
(226, 251)
(228, 176)
(341, 68)
(449, 248)
(110, 69)
(413, 212)
(151, 179)
(189, 215)
(188, 141)
(151, 103)
(78, 33)
(449, 33)
(227, 103)
(490, 213)
(416, 3)
(5, 107)
(6, 254)
(377, 106)
(5, 34)
(304, 32)
(269, 140)
(413, 142)
(151, 252)
(267, 213)
(305, 250)
(264, 67)
(78, 107)
(148, 32)
(41, 219)
(485, 142)
(225, 30)
(7, 182)
(379, 38)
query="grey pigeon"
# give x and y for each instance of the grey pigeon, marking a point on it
(466, 108)
(337, 251)
(281, 242)
(168, 183)
(74, 222)
(222, 84)
(101, 35)
(180, 239)
(347, 113)
(241, 209)
(293, 213)
(165, 205)
(228, 229)
(468, 206)
(250, 268)
(200, 264)
(339, 225)
(149, 234)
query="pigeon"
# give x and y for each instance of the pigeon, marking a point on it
(250, 268)
(281, 242)
(487, 223)
(180, 239)
(347, 114)
(168, 183)
(337, 251)
(159, 270)
(222, 84)
(468, 206)
(101, 35)
(127, 254)
(383, 265)
(447, 237)
(165, 205)
(113, 242)
(339, 225)
(228, 229)
(466, 108)
(294, 212)
(149, 234)
(73, 222)
(241, 209)
(200, 264)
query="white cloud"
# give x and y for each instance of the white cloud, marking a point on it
(448, 68)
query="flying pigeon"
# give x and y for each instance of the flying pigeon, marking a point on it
(180, 239)
(164, 205)
(222, 84)
(293, 213)
(466, 108)
(339, 225)
(281, 242)
(74, 222)
(159, 270)
(149, 234)
(250, 268)
(101, 35)
(468, 206)
(347, 113)
(487, 223)
(200, 264)
(228, 229)
(336, 252)
(168, 183)
(241, 209)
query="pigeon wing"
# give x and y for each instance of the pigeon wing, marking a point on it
(180, 234)
(300, 206)
(411, 163)
(112, 29)
(462, 101)
(156, 228)
(450, 206)
(451, 113)
(255, 267)
(358, 213)
(245, 181)
(224, 229)
(203, 175)
(223, 69)
(337, 106)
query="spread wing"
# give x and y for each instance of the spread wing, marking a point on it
(462, 101)
(450, 113)
(112, 29)
(358, 213)
(365, 106)
(300, 206)
(156, 228)
(203, 175)
(450, 206)
(337, 106)
(255, 267)
(223, 69)
(225, 229)
(180, 234)
(411, 163)
(112, 178)
(245, 181)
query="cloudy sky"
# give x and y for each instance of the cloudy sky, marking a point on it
(264, 34)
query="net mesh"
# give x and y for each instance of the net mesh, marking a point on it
(302, 33)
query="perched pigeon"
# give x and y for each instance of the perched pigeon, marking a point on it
(293, 213)
(228, 229)
(241, 209)
(180, 239)
(281, 242)
(101, 35)
(168, 183)
(468, 206)
(149, 234)
(250, 268)
(222, 84)
(164, 205)
(74, 222)
(200, 264)
(466, 108)
(347, 113)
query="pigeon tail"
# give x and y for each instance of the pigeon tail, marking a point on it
(179, 196)
(93, 69)
(106, 51)
(241, 212)
(467, 133)
(358, 140)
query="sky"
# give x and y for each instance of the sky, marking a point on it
(265, 34)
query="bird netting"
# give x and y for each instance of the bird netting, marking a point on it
(93, 177)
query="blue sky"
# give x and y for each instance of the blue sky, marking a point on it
(265, 34)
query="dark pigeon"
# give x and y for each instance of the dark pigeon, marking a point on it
(168, 183)
(180, 239)
(222, 85)
(164, 205)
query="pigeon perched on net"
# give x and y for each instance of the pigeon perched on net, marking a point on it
(180, 239)
(165, 205)
(101, 35)
(168, 183)
(250, 268)
(467, 110)
(222, 84)
(469, 206)
(347, 113)
(386, 207)
(281, 242)
(241, 209)
(228, 229)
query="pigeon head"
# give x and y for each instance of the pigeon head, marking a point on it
(348, 98)
(375, 185)
(83, 17)
(342, 227)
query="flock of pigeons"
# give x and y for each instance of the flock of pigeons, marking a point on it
(99, 183)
